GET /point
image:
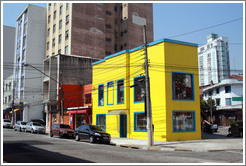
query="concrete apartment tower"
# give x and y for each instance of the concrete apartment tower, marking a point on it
(213, 60)
(29, 49)
(87, 32)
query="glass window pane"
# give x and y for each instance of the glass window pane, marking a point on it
(101, 121)
(140, 122)
(120, 91)
(182, 86)
(110, 93)
(228, 101)
(139, 89)
(101, 95)
(183, 121)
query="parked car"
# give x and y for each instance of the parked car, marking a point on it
(7, 123)
(92, 133)
(20, 126)
(34, 127)
(41, 121)
(214, 127)
(61, 130)
(236, 129)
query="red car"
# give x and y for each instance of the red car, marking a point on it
(61, 130)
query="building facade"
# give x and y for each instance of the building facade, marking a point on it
(7, 97)
(29, 49)
(8, 51)
(95, 29)
(118, 92)
(223, 94)
(213, 60)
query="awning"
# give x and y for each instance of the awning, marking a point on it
(77, 112)
(116, 112)
(16, 110)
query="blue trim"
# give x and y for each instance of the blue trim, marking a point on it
(134, 90)
(123, 91)
(135, 121)
(113, 92)
(97, 120)
(193, 89)
(172, 41)
(140, 47)
(120, 127)
(99, 95)
(194, 122)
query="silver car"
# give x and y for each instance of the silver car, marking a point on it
(20, 126)
(34, 127)
(7, 123)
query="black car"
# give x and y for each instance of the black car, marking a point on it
(92, 133)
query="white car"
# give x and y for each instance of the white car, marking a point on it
(7, 123)
(34, 127)
(214, 127)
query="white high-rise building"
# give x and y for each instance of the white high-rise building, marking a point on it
(213, 60)
(29, 49)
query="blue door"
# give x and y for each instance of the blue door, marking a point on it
(123, 126)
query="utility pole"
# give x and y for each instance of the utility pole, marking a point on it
(147, 93)
(13, 103)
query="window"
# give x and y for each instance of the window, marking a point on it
(183, 121)
(182, 86)
(217, 90)
(139, 89)
(48, 45)
(101, 121)
(24, 41)
(49, 7)
(66, 50)
(100, 95)
(108, 39)
(59, 51)
(120, 91)
(54, 16)
(108, 53)
(67, 6)
(48, 32)
(110, 93)
(59, 38)
(217, 102)
(108, 13)
(48, 19)
(140, 122)
(108, 26)
(227, 89)
(228, 101)
(67, 19)
(54, 28)
(60, 24)
(88, 98)
(61, 9)
(66, 35)
(53, 42)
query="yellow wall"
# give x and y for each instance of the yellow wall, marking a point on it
(164, 57)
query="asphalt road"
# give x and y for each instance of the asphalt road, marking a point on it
(20, 147)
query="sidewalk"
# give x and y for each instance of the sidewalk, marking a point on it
(209, 143)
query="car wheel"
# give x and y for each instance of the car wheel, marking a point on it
(20, 130)
(77, 137)
(91, 139)
(32, 131)
(51, 135)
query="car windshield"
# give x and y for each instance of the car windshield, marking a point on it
(7, 120)
(96, 128)
(36, 124)
(65, 126)
(23, 123)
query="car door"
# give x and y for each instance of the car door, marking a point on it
(87, 132)
(28, 127)
(80, 131)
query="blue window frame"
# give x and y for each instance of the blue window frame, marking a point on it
(120, 91)
(139, 89)
(101, 121)
(182, 86)
(101, 95)
(110, 93)
(140, 122)
(184, 121)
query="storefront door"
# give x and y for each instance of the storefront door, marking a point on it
(123, 126)
(79, 119)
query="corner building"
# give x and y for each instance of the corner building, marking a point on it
(118, 92)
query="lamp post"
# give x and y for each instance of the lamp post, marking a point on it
(62, 93)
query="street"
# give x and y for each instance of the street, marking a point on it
(21, 147)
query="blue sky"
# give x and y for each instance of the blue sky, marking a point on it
(172, 19)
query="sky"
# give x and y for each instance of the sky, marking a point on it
(176, 20)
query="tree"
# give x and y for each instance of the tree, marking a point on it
(204, 108)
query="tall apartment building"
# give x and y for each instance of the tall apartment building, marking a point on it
(96, 29)
(213, 60)
(8, 50)
(29, 49)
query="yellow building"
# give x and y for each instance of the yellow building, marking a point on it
(118, 92)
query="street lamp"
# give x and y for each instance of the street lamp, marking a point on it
(62, 93)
